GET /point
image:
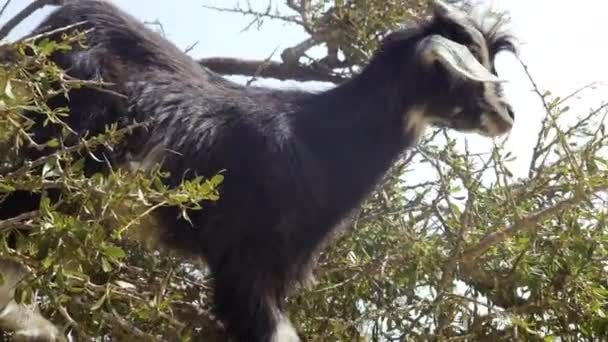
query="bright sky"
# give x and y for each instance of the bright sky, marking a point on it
(556, 35)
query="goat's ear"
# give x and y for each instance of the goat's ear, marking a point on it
(456, 58)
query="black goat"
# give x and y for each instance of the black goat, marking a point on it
(296, 163)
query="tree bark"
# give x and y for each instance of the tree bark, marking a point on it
(268, 69)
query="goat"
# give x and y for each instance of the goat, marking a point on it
(295, 162)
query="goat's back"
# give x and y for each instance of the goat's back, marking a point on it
(207, 124)
(121, 37)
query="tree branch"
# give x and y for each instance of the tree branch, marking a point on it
(26, 12)
(319, 32)
(258, 15)
(268, 69)
(291, 55)
(6, 3)
(525, 223)
(119, 322)
(12, 222)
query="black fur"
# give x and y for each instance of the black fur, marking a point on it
(295, 163)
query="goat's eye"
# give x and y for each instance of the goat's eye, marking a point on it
(475, 52)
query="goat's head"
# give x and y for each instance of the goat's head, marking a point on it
(456, 80)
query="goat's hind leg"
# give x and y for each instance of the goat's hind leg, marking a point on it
(248, 301)
(25, 321)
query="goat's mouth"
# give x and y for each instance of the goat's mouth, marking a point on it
(497, 122)
(491, 122)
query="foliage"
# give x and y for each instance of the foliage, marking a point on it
(93, 280)
(452, 246)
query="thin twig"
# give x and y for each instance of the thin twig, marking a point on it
(191, 47)
(125, 325)
(537, 146)
(51, 32)
(26, 12)
(138, 218)
(15, 221)
(267, 61)
(266, 14)
(524, 223)
(6, 3)
(84, 144)
(71, 322)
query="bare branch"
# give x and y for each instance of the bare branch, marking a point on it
(17, 220)
(159, 25)
(191, 47)
(292, 55)
(6, 3)
(120, 322)
(268, 69)
(72, 322)
(26, 12)
(318, 35)
(257, 14)
(262, 67)
(545, 123)
(305, 12)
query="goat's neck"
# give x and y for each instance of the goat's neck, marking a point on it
(357, 129)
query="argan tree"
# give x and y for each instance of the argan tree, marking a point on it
(452, 246)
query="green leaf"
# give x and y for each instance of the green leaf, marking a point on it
(47, 262)
(98, 303)
(114, 252)
(53, 143)
(105, 265)
(7, 188)
(8, 90)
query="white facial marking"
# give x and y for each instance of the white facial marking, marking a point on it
(415, 122)
(24, 320)
(492, 98)
(285, 332)
(488, 125)
(457, 110)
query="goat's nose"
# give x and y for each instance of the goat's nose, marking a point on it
(510, 112)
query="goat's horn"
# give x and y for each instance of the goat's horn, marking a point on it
(456, 58)
(449, 11)
(440, 7)
(458, 17)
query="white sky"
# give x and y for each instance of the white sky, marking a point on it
(556, 35)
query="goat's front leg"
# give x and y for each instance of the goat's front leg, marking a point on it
(25, 321)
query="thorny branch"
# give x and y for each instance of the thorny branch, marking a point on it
(257, 14)
(16, 221)
(287, 69)
(525, 223)
(291, 67)
(6, 3)
(25, 13)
